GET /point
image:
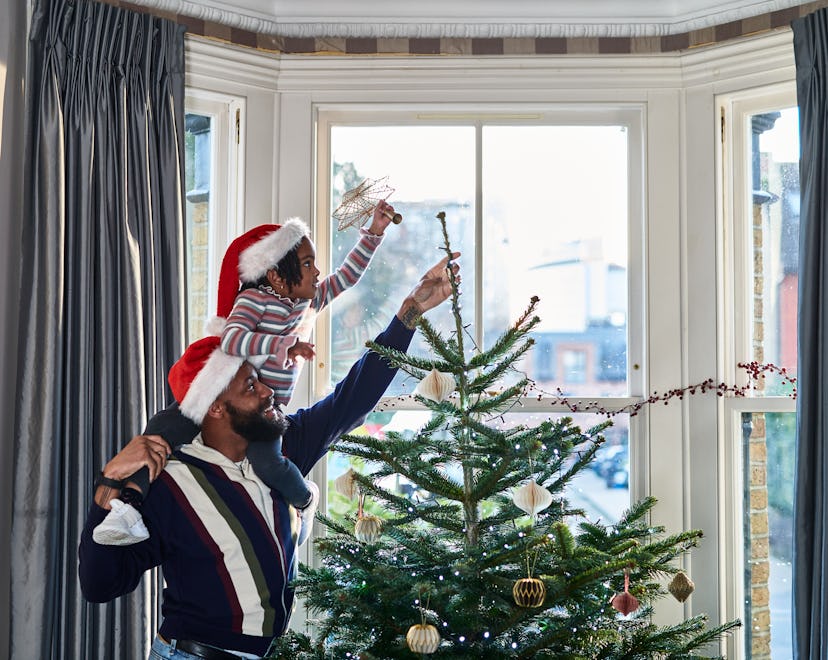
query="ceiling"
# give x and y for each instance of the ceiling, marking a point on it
(472, 18)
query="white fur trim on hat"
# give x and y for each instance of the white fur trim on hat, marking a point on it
(255, 261)
(212, 379)
(215, 326)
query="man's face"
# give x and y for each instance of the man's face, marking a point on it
(249, 402)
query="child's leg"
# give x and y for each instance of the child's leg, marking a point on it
(123, 524)
(176, 429)
(279, 473)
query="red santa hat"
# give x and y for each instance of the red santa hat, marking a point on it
(200, 375)
(248, 258)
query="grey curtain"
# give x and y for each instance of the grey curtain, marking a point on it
(810, 569)
(101, 316)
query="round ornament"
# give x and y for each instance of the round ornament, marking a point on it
(681, 587)
(529, 592)
(423, 638)
(532, 498)
(436, 386)
(368, 528)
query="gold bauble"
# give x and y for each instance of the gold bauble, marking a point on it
(368, 528)
(681, 587)
(423, 638)
(529, 592)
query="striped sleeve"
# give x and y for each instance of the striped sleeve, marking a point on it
(240, 336)
(351, 270)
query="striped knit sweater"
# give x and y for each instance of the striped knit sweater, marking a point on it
(263, 323)
(225, 542)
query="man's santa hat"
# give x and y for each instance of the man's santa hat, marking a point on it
(200, 375)
(248, 259)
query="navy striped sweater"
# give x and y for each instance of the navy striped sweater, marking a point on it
(225, 542)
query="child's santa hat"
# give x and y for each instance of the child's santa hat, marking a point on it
(248, 259)
(200, 375)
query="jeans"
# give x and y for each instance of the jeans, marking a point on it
(162, 651)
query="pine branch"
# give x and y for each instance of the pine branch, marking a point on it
(519, 329)
(447, 350)
(413, 365)
(490, 376)
(499, 402)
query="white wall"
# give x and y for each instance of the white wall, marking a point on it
(13, 21)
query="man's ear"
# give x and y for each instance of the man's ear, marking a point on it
(216, 409)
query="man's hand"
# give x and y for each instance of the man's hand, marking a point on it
(143, 450)
(433, 288)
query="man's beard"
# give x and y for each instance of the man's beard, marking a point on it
(255, 427)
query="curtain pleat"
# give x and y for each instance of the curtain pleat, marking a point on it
(810, 563)
(102, 264)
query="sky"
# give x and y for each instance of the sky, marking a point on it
(561, 183)
(783, 140)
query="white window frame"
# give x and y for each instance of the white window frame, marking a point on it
(736, 318)
(226, 174)
(632, 116)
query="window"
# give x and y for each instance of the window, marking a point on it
(574, 365)
(495, 179)
(212, 145)
(761, 438)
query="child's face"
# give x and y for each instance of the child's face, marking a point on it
(306, 289)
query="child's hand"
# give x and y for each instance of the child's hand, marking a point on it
(383, 212)
(301, 349)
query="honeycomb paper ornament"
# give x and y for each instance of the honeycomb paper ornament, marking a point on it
(436, 386)
(346, 485)
(423, 638)
(625, 602)
(681, 587)
(529, 592)
(368, 528)
(532, 498)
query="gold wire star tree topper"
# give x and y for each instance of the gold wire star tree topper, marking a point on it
(358, 204)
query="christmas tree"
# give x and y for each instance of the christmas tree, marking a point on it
(494, 563)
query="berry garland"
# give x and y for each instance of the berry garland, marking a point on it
(755, 371)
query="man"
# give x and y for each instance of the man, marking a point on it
(225, 541)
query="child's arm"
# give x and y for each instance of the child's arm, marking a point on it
(301, 349)
(357, 260)
(383, 212)
(240, 336)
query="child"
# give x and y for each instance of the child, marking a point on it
(269, 322)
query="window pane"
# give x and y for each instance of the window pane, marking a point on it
(768, 450)
(198, 152)
(431, 169)
(601, 489)
(555, 208)
(775, 241)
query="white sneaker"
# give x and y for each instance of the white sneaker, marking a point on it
(123, 525)
(307, 514)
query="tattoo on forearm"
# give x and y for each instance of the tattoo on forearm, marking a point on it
(411, 315)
